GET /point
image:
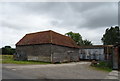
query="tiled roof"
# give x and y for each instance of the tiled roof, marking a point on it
(47, 37)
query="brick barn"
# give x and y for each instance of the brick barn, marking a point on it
(47, 46)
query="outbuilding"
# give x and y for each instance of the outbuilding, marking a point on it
(96, 52)
(47, 46)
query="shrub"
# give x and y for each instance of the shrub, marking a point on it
(8, 50)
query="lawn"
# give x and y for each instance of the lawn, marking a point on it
(8, 59)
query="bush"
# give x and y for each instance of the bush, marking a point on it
(8, 50)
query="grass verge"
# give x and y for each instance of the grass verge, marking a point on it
(103, 66)
(8, 59)
(106, 69)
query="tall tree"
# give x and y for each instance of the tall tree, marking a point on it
(78, 38)
(111, 36)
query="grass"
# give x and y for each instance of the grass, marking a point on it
(106, 69)
(103, 66)
(0, 56)
(8, 59)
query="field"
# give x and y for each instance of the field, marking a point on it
(8, 59)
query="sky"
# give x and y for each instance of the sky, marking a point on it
(90, 19)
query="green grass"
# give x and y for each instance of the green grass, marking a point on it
(106, 69)
(103, 66)
(0, 56)
(8, 59)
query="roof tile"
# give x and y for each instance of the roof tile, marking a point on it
(47, 37)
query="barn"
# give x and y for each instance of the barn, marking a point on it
(47, 46)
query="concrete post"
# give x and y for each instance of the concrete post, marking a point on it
(115, 58)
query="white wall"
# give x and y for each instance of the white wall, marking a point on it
(92, 53)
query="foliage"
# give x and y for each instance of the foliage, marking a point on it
(87, 42)
(78, 38)
(111, 36)
(8, 50)
(103, 69)
(104, 65)
(8, 59)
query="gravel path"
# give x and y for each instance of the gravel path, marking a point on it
(79, 70)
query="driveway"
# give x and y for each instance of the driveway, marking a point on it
(79, 70)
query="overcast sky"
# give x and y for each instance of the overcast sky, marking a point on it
(90, 19)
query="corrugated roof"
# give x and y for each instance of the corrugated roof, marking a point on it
(96, 46)
(46, 37)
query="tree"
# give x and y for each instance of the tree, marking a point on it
(78, 38)
(111, 36)
(87, 42)
(8, 50)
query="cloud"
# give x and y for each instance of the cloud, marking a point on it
(106, 15)
(86, 18)
(80, 14)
